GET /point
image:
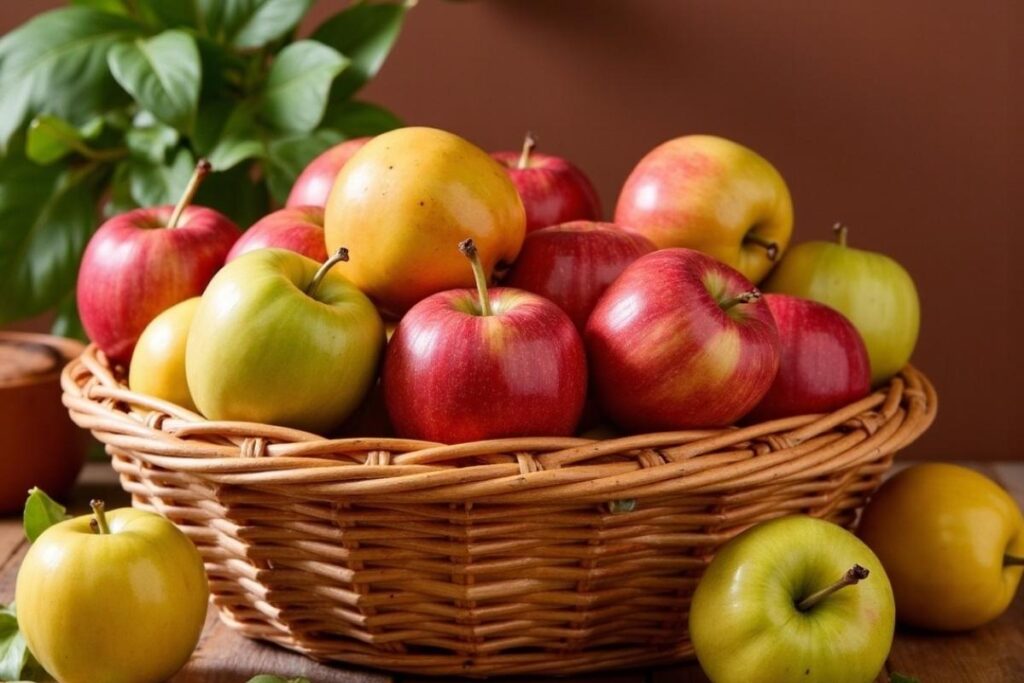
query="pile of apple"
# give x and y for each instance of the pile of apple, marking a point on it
(651, 323)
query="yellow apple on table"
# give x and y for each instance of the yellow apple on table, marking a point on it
(710, 194)
(158, 362)
(952, 542)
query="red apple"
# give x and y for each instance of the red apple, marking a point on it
(140, 263)
(573, 263)
(297, 228)
(552, 189)
(468, 365)
(316, 180)
(678, 341)
(823, 363)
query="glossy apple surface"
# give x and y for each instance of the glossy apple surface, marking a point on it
(158, 363)
(713, 195)
(127, 605)
(823, 364)
(314, 184)
(952, 541)
(404, 202)
(749, 620)
(135, 267)
(872, 290)
(680, 340)
(553, 190)
(455, 372)
(267, 346)
(298, 228)
(572, 264)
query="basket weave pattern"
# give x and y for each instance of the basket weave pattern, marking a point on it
(513, 556)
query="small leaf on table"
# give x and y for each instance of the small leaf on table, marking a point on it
(41, 512)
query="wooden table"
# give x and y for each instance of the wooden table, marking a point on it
(993, 654)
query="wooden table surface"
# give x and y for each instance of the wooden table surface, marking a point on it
(992, 654)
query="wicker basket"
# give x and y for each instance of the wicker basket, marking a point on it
(515, 556)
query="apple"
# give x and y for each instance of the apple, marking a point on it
(314, 184)
(158, 363)
(573, 263)
(282, 340)
(823, 364)
(793, 599)
(112, 597)
(297, 228)
(552, 189)
(952, 541)
(143, 262)
(467, 365)
(678, 341)
(711, 194)
(872, 290)
(401, 203)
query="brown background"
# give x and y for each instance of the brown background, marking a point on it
(895, 117)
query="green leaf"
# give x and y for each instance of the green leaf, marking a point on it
(47, 216)
(251, 23)
(169, 13)
(51, 138)
(357, 119)
(286, 157)
(158, 184)
(234, 193)
(111, 6)
(67, 323)
(365, 34)
(57, 63)
(13, 650)
(41, 512)
(902, 678)
(151, 143)
(239, 140)
(120, 199)
(296, 91)
(163, 74)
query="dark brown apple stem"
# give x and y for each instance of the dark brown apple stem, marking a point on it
(529, 142)
(202, 169)
(841, 232)
(469, 250)
(1013, 560)
(321, 272)
(771, 249)
(855, 574)
(744, 298)
(100, 519)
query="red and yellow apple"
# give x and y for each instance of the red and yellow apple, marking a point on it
(298, 228)
(314, 184)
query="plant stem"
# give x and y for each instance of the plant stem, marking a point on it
(338, 257)
(744, 298)
(771, 248)
(99, 509)
(202, 169)
(528, 144)
(469, 250)
(841, 232)
(1013, 560)
(855, 574)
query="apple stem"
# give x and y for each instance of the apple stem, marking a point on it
(1013, 560)
(203, 167)
(841, 232)
(771, 248)
(855, 574)
(469, 250)
(529, 142)
(336, 258)
(744, 298)
(99, 522)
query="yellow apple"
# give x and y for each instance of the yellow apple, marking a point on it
(158, 362)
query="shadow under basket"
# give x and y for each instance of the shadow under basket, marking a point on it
(512, 556)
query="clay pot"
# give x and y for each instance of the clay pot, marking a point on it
(39, 445)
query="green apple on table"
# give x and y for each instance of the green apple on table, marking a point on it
(793, 599)
(281, 340)
(118, 597)
(872, 290)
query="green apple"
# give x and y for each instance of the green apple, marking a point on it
(872, 290)
(793, 599)
(118, 597)
(278, 340)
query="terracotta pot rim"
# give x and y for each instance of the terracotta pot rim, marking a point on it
(69, 349)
